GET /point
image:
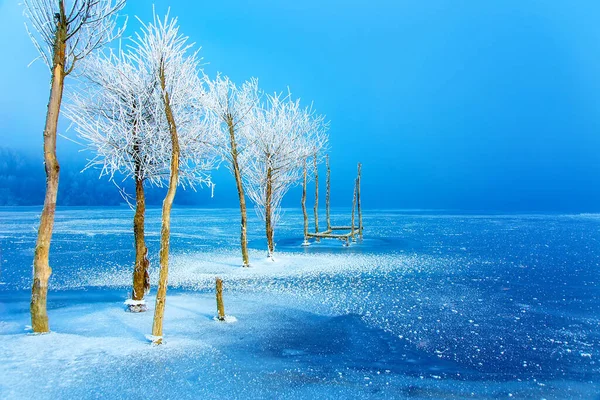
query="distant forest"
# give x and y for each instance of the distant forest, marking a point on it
(22, 183)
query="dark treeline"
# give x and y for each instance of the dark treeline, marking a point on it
(21, 179)
(22, 184)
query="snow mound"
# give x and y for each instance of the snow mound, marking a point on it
(229, 319)
(131, 302)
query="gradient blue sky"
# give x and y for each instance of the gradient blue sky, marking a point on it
(487, 105)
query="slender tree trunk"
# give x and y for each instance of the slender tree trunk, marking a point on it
(41, 264)
(353, 209)
(141, 279)
(304, 213)
(220, 306)
(241, 195)
(360, 223)
(269, 212)
(165, 233)
(316, 208)
(328, 194)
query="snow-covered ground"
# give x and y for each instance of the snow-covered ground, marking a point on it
(272, 351)
(428, 306)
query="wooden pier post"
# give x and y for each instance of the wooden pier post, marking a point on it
(220, 307)
(328, 194)
(360, 224)
(304, 213)
(316, 195)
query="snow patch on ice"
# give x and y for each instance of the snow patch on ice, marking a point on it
(155, 339)
(131, 302)
(196, 270)
(229, 319)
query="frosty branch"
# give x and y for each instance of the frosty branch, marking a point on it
(283, 136)
(63, 32)
(230, 106)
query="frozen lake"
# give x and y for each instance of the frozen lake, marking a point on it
(430, 305)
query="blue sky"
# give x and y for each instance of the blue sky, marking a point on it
(485, 105)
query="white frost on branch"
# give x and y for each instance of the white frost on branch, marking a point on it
(161, 45)
(84, 26)
(114, 117)
(230, 106)
(119, 114)
(283, 135)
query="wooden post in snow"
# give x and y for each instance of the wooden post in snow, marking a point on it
(306, 243)
(360, 224)
(328, 194)
(220, 306)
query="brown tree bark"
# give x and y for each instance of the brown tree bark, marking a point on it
(353, 210)
(304, 213)
(41, 265)
(269, 211)
(165, 233)
(328, 194)
(220, 306)
(360, 223)
(316, 208)
(240, 189)
(141, 279)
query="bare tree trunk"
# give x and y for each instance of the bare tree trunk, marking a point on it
(328, 194)
(161, 293)
(220, 306)
(360, 223)
(268, 212)
(141, 279)
(316, 208)
(304, 213)
(241, 195)
(41, 265)
(353, 209)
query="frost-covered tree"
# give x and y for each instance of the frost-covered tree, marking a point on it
(283, 136)
(113, 115)
(184, 136)
(64, 32)
(231, 106)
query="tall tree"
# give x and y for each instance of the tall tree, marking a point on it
(184, 132)
(231, 106)
(113, 116)
(64, 32)
(283, 136)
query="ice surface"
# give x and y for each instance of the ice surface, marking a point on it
(428, 306)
